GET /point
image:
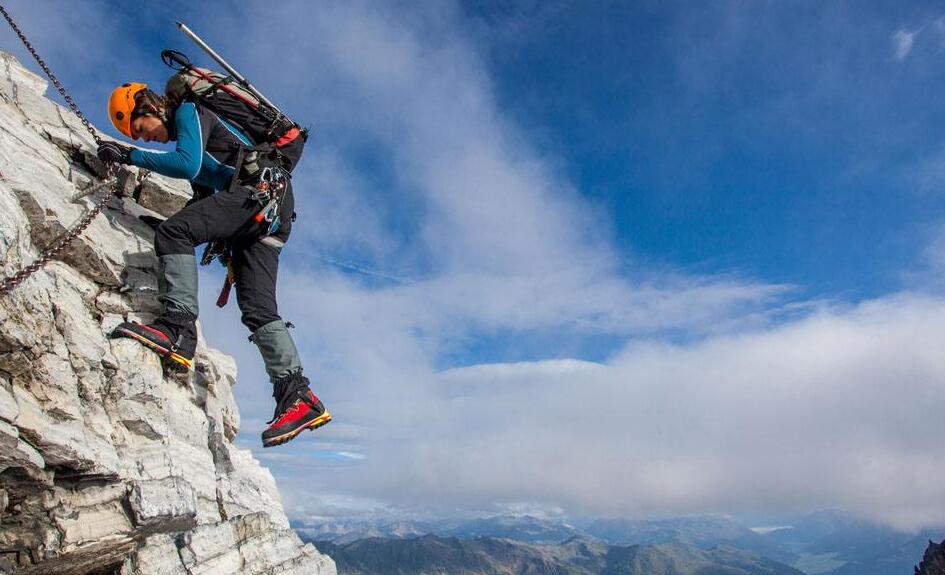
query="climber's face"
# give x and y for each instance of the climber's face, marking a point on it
(149, 128)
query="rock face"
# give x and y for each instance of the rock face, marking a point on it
(933, 563)
(107, 463)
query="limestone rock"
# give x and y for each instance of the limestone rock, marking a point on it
(8, 408)
(166, 504)
(163, 195)
(16, 78)
(107, 463)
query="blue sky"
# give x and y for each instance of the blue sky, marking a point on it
(693, 252)
(755, 137)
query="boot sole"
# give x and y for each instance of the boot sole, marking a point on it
(285, 437)
(158, 349)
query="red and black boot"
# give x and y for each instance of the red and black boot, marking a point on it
(297, 409)
(172, 336)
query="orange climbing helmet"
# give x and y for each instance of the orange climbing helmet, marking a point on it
(121, 105)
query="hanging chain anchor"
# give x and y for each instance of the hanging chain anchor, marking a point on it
(54, 249)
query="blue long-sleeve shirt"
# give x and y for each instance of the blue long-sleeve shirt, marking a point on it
(206, 149)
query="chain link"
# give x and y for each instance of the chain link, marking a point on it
(53, 250)
(57, 246)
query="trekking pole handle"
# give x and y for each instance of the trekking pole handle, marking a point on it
(171, 57)
(230, 70)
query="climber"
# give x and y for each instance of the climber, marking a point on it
(208, 149)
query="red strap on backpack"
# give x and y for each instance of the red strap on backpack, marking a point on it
(288, 137)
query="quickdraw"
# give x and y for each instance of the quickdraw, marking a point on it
(270, 191)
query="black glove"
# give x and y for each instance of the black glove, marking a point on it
(113, 152)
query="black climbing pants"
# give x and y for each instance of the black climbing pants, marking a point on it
(228, 216)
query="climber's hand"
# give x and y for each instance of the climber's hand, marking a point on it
(114, 152)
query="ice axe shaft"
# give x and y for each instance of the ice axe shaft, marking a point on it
(229, 69)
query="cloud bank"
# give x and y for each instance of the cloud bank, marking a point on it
(839, 409)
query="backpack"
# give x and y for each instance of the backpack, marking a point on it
(263, 124)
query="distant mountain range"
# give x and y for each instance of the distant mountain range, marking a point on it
(520, 528)
(822, 543)
(833, 543)
(432, 555)
(702, 532)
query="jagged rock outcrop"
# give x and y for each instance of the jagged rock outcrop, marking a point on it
(933, 563)
(107, 463)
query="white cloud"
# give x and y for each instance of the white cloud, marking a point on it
(520, 369)
(902, 42)
(843, 408)
(349, 455)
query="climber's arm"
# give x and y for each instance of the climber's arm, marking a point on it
(185, 161)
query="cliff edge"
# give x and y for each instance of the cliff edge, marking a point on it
(933, 562)
(107, 463)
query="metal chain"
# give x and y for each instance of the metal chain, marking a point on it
(53, 250)
(64, 240)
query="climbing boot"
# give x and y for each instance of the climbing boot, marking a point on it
(297, 409)
(172, 336)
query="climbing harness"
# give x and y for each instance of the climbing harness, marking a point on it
(60, 243)
(265, 167)
(269, 189)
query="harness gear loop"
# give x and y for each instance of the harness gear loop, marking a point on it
(270, 191)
